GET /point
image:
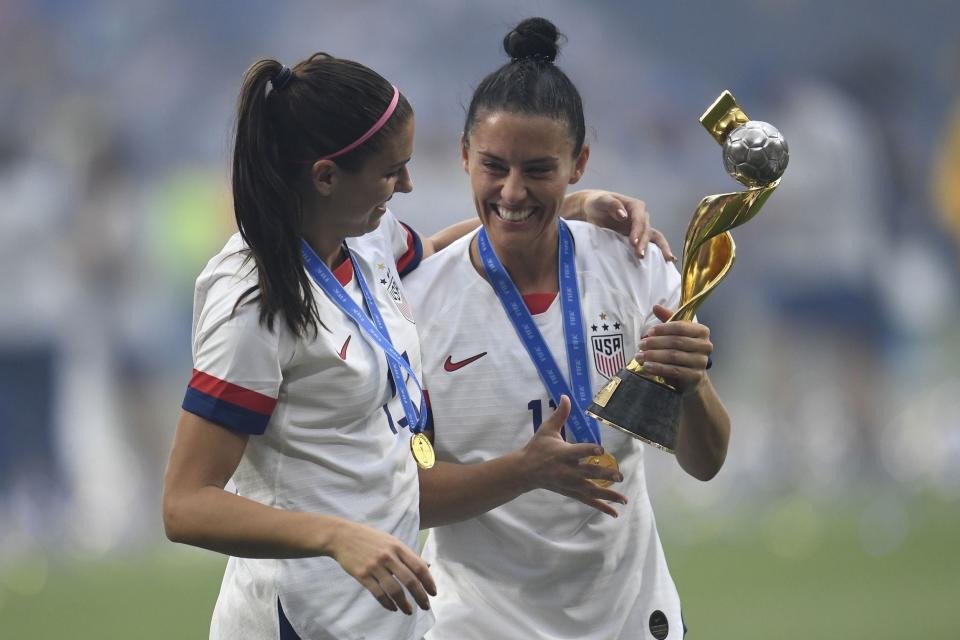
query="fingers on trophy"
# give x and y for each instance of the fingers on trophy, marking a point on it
(645, 406)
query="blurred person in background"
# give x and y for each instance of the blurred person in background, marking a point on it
(830, 324)
(112, 470)
(511, 561)
(35, 288)
(827, 316)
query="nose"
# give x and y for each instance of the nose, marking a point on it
(404, 184)
(514, 190)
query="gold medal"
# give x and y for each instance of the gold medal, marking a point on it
(422, 451)
(605, 460)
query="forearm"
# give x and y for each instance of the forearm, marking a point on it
(573, 205)
(221, 521)
(453, 492)
(704, 432)
(443, 238)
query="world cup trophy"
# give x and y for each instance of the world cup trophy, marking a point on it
(755, 154)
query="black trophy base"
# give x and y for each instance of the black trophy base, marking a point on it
(640, 407)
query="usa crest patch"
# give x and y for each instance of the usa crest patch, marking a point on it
(392, 285)
(608, 355)
(397, 295)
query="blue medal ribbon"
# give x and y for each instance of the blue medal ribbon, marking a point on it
(584, 428)
(376, 330)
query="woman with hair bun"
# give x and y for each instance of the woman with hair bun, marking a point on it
(511, 319)
(301, 332)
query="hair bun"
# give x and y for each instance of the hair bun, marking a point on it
(534, 38)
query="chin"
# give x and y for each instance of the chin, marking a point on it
(373, 223)
(373, 220)
(526, 232)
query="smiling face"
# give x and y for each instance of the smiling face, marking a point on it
(519, 167)
(350, 204)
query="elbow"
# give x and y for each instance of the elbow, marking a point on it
(707, 464)
(706, 473)
(703, 467)
(173, 519)
(711, 467)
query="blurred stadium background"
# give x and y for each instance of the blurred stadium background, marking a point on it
(837, 344)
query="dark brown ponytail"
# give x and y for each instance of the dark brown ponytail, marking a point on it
(287, 119)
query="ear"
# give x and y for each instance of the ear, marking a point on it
(580, 165)
(324, 176)
(464, 154)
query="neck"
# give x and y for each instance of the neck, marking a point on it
(326, 246)
(532, 267)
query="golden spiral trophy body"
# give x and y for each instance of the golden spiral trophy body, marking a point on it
(755, 154)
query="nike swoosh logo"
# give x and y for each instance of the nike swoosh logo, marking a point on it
(343, 349)
(451, 366)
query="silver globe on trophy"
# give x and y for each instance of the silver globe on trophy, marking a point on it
(756, 155)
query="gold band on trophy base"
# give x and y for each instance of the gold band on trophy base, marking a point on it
(645, 406)
(422, 450)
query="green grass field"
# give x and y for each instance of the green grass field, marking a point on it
(821, 583)
(774, 574)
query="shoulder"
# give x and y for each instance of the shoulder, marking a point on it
(380, 239)
(392, 240)
(597, 237)
(227, 274)
(610, 253)
(609, 269)
(440, 273)
(227, 279)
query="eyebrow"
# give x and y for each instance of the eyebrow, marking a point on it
(397, 165)
(542, 160)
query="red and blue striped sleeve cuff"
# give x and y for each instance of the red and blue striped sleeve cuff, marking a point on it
(411, 259)
(227, 404)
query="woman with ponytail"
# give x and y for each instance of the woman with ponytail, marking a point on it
(290, 396)
(301, 333)
(542, 523)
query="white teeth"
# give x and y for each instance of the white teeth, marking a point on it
(513, 215)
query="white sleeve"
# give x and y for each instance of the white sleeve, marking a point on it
(236, 362)
(664, 287)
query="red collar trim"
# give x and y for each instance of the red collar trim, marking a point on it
(344, 272)
(539, 302)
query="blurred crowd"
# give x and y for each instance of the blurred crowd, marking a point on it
(835, 339)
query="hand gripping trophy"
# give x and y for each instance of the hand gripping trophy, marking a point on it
(755, 154)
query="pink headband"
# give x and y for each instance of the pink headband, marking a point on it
(372, 130)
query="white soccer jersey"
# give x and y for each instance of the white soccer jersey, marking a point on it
(542, 566)
(329, 437)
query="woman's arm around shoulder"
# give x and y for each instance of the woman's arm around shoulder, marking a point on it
(625, 215)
